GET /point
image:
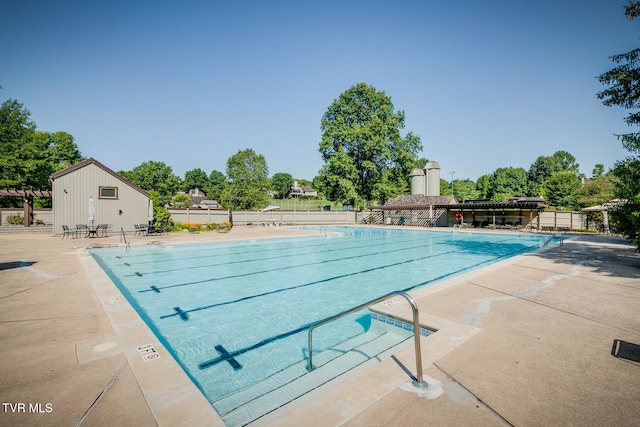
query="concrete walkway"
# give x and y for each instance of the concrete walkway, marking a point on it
(526, 342)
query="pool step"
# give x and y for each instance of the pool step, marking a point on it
(278, 390)
(289, 374)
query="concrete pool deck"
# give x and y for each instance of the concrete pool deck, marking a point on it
(527, 341)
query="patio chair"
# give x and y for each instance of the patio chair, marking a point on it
(66, 231)
(82, 229)
(144, 229)
(102, 230)
(164, 227)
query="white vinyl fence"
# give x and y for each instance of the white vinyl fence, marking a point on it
(310, 217)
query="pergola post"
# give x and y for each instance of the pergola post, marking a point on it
(27, 203)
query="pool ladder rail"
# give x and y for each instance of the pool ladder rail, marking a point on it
(418, 382)
(557, 236)
(124, 237)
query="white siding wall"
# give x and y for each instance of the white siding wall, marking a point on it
(71, 194)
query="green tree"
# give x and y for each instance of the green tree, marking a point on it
(506, 183)
(397, 180)
(561, 190)
(195, 178)
(217, 178)
(62, 150)
(281, 183)
(465, 189)
(483, 185)
(217, 181)
(247, 181)
(626, 218)
(365, 158)
(623, 83)
(623, 90)
(598, 171)
(545, 166)
(160, 213)
(155, 176)
(597, 191)
(29, 156)
(181, 201)
(445, 187)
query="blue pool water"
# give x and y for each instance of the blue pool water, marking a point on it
(236, 312)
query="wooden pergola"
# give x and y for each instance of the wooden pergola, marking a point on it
(477, 214)
(27, 198)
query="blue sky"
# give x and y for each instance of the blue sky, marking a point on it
(484, 84)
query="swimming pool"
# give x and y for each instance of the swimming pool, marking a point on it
(236, 313)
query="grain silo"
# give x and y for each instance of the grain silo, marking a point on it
(426, 181)
(417, 181)
(432, 179)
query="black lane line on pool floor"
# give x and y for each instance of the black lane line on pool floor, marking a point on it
(286, 255)
(184, 313)
(231, 355)
(316, 240)
(228, 357)
(251, 249)
(235, 353)
(290, 267)
(250, 260)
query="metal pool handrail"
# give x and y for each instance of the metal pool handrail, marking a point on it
(418, 382)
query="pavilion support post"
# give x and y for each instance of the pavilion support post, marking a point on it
(27, 211)
(605, 221)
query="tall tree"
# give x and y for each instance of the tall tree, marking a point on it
(247, 181)
(365, 158)
(561, 190)
(28, 156)
(483, 185)
(623, 90)
(508, 182)
(624, 85)
(217, 178)
(599, 190)
(156, 176)
(217, 181)
(465, 189)
(598, 171)
(62, 150)
(281, 183)
(195, 178)
(545, 166)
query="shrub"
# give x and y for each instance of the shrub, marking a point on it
(176, 226)
(15, 219)
(227, 224)
(190, 224)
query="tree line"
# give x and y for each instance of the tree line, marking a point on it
(366, 161)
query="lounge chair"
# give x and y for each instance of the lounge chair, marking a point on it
(222, 228)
